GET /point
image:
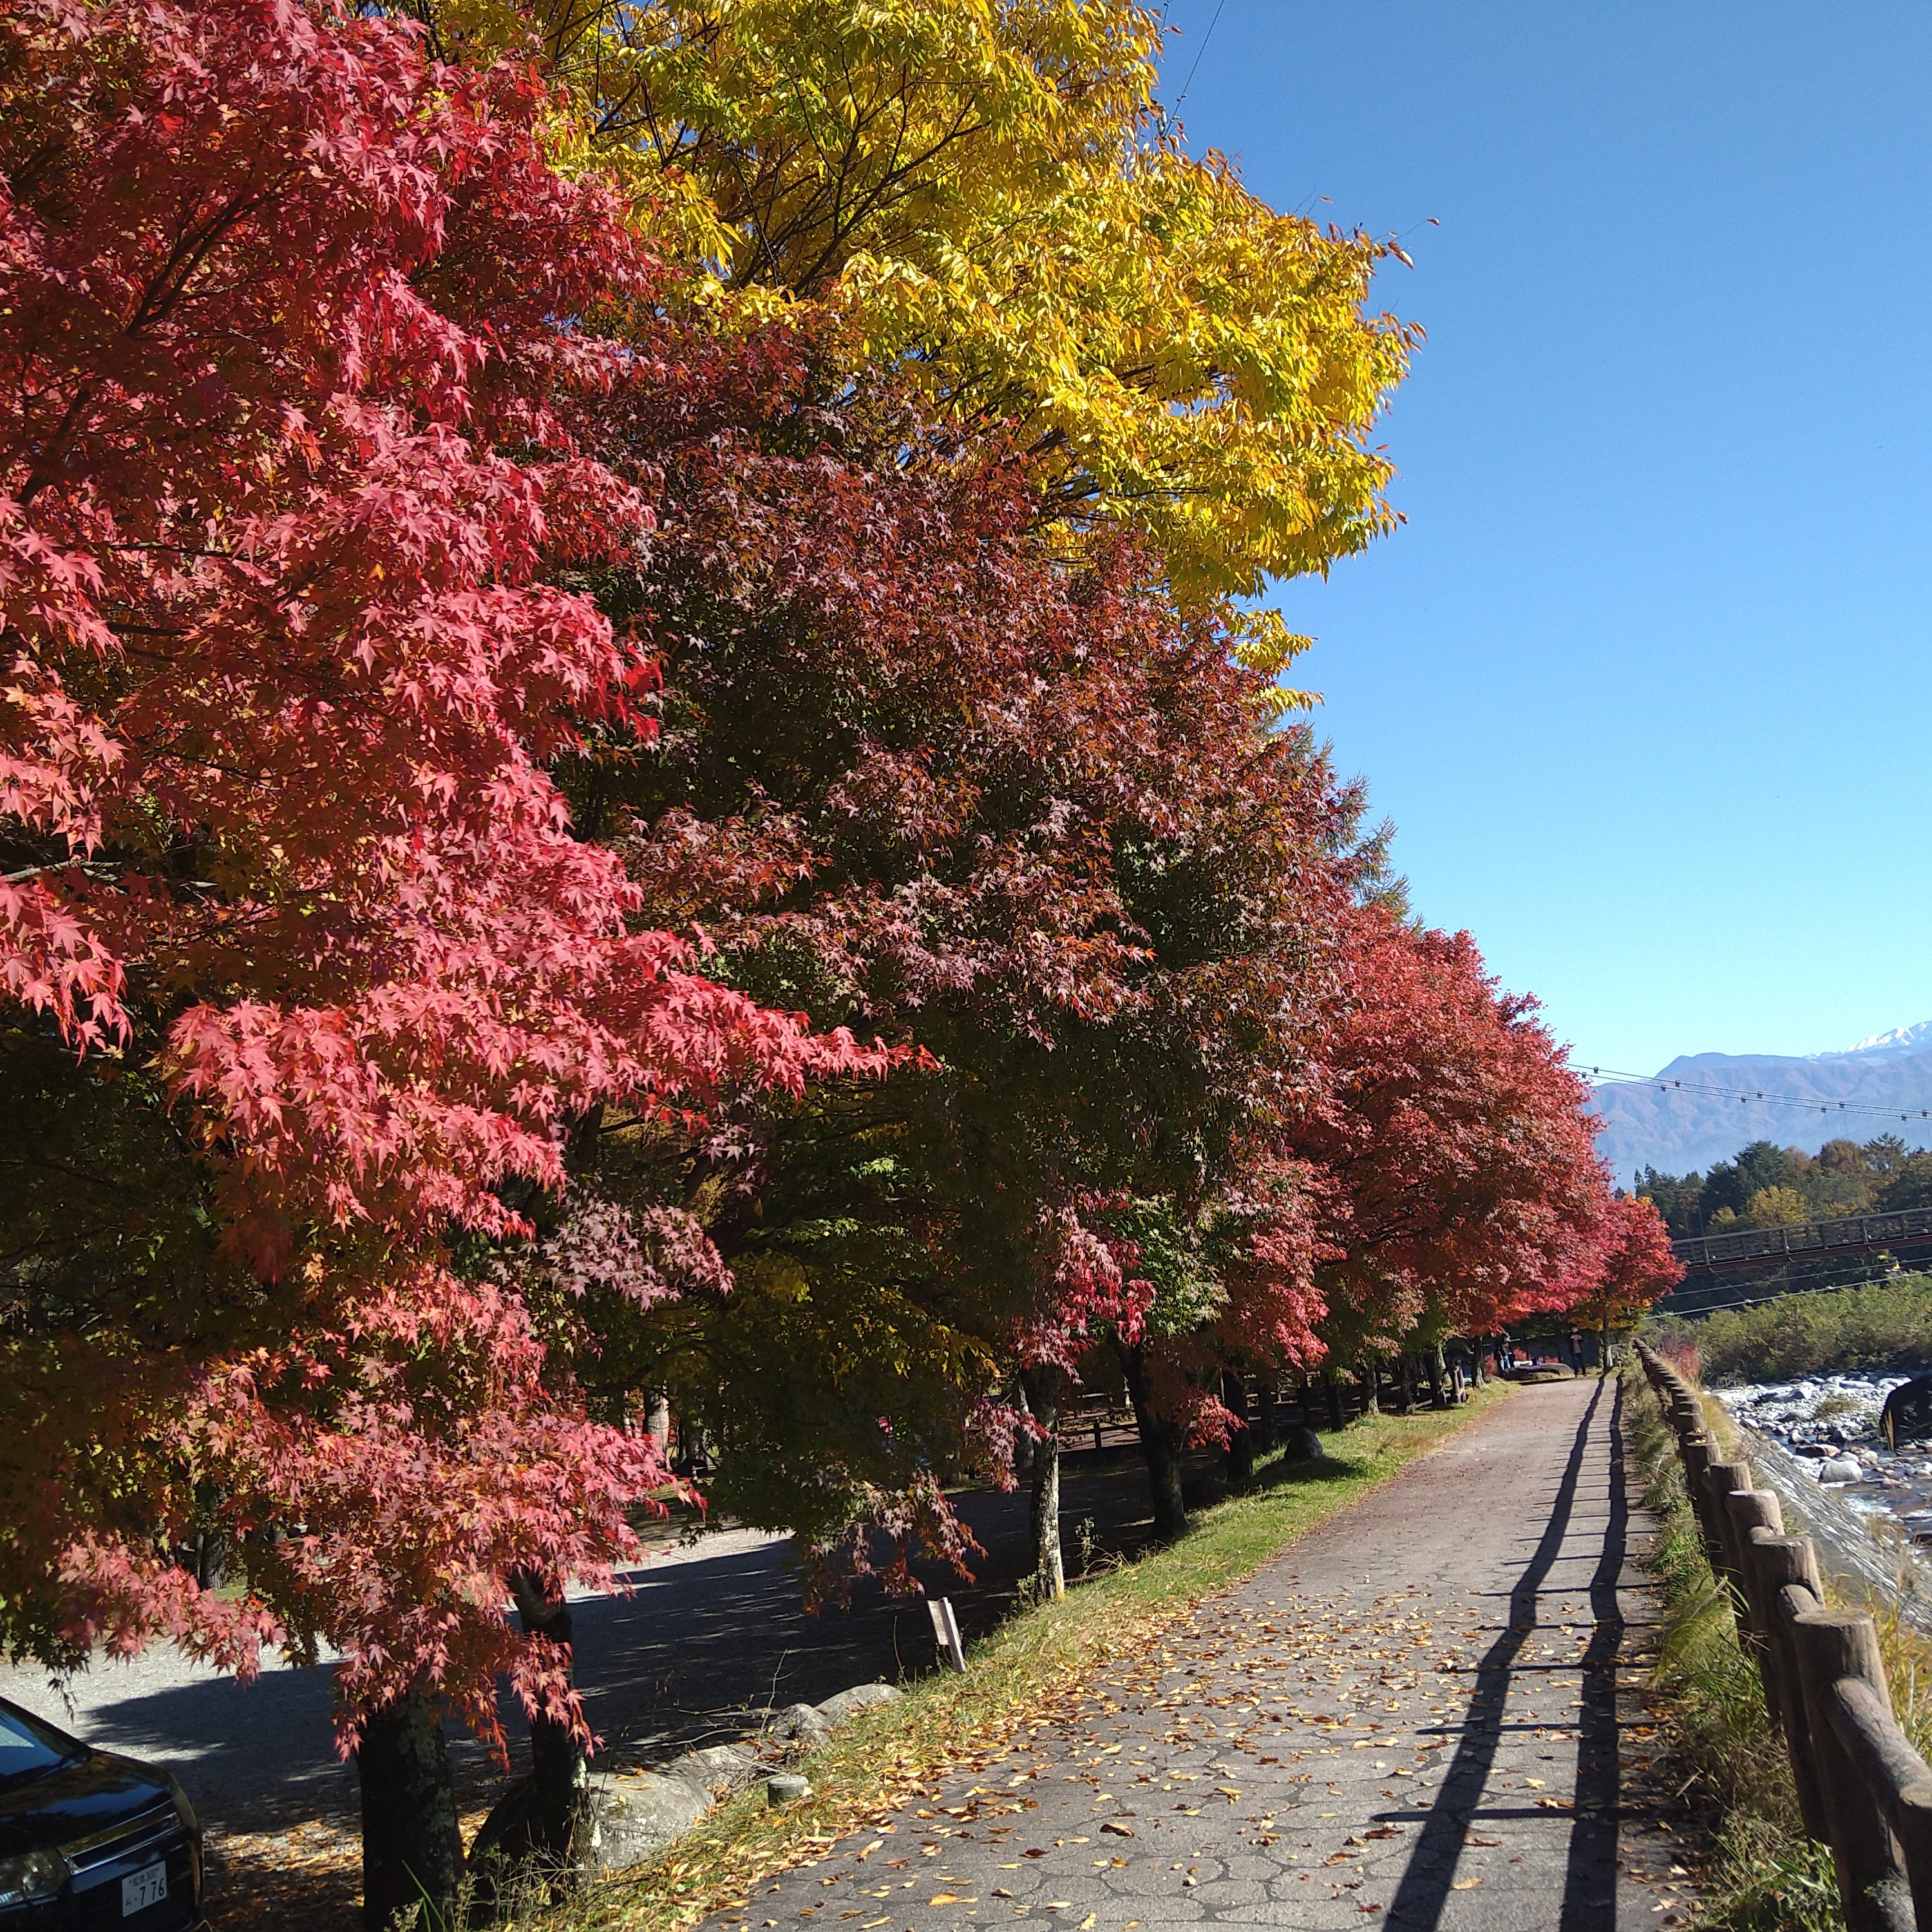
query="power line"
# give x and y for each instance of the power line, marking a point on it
(1198, 51)
(1826, 1278)
(1611, 1077)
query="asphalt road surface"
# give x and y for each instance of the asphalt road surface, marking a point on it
(712, 1633)
(1423, 1716)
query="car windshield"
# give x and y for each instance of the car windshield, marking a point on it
(26, 1744)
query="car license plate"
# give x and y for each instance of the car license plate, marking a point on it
(142, 1889)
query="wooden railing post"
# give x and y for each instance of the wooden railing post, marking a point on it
(1912, 1821)
(1720, 1481)
(1695, 1451)
(1748, 1509)
(1787, 1573)
(1888, 1766)
(1872, 1887)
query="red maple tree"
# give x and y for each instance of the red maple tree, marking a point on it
(1462, 1185)
(1634, 1263)
(301, 338)
(918, 775)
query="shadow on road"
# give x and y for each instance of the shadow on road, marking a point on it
(1590, 1883)
(702, 1645)
(1588, 1904)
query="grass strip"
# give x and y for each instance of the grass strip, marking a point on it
(1764, 1874)
(1035, 1666)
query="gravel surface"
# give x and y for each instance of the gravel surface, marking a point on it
(1425, 1714)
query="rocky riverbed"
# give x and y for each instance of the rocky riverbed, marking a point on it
(1828, 1425)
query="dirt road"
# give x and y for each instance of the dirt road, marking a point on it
(1423, 1716)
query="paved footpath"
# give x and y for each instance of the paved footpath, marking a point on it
(1424, 1715)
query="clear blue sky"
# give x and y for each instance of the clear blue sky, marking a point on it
(1644, 681)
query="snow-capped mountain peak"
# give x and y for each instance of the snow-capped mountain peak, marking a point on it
(1704, 1106)
(1900, 1039)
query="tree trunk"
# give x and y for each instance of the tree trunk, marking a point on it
(1160, 1443)
(1040, 1388)
(1241, 1443)
(209, 1547)
(657, 1420)
(1332, 1383)
(411, 1846)
(1438, 1378)
(209, 1551)
(1372, 1388)
(546, 1817)
(559, 1771)
(1405, 1380)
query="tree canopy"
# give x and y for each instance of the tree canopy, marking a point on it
(988, 194)
(631, 769)
(310, 976)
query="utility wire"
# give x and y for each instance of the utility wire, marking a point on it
(1610, 1077)
(1198, 51)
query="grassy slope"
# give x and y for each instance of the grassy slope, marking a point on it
(1033, 1666)
(1764, 1875)
(1882, 1325)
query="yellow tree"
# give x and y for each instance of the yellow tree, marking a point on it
(990, 193)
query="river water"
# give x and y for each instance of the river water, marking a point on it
(1817, 1443)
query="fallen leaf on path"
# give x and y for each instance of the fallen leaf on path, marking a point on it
(1119, 1831)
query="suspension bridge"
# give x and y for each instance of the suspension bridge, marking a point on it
(1714, 1264)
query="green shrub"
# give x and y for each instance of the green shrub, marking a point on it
(1884, 1324)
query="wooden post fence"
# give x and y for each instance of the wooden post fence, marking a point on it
(1862, 1789)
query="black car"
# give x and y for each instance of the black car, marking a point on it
(89, 1839)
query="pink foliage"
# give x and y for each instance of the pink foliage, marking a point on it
(888, 1526)
(1088, 1288)
(1460, 1166)
(299, 344)
(1683, 1356)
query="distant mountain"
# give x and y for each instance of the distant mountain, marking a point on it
(1900, 1039)
(1689, 1115)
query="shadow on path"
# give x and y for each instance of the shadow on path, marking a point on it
(1424, 1890)
(701, 1646)
(1590, 1880)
